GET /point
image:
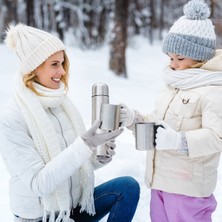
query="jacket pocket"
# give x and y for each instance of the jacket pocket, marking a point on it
(186, 104)
(170, 164)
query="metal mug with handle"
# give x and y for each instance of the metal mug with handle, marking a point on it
(145, 135)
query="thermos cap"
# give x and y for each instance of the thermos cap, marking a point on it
(100, 89)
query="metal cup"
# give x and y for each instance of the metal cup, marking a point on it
(110, 117)
(145, 133)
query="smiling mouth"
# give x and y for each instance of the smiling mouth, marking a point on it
(57, 80)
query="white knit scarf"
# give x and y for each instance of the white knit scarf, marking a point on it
(47, 144)
(191, 78)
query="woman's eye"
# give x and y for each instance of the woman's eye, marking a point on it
(180, 59)
(54, 64)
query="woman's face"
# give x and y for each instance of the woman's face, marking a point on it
(178, 62)
(50, 72)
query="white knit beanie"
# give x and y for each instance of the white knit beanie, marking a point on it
(193, 34)
(32, 46)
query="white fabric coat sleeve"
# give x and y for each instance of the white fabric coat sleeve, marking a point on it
(208, 139)
(23, 160)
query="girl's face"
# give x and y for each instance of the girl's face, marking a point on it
(50, 72)
(178, 62)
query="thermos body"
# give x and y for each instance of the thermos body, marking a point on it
(100, 95)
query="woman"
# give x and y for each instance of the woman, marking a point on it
(46, 149)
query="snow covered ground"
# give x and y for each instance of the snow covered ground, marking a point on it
(144, 63)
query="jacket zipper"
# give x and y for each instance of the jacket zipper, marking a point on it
(175, 92)
(70, 178)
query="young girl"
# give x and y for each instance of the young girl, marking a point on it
(182, 169)
(46, 149)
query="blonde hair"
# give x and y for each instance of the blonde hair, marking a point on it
(29, 78)
(198, 64)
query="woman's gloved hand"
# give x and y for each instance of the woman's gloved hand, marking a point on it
(167, 138)
(127, 116)
(110, 151)
(93, 138)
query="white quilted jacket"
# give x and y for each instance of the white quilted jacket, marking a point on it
(197, 112)
(30, 178)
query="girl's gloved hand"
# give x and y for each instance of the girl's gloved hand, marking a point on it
(127, 116)
(93, 139)
(167, 138)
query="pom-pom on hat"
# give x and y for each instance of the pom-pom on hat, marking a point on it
(32, 46)
(192, 35)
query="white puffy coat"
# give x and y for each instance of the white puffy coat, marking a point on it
(198, 112)
(30, 178)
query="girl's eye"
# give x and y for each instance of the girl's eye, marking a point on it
(180, 59)
(171, 59)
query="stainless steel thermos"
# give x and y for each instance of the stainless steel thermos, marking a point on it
(100, 95)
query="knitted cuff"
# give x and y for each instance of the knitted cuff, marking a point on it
(183, 146)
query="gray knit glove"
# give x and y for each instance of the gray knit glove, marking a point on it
(110, 151)
(93, 139)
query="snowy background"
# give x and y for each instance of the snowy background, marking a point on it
(144, 63)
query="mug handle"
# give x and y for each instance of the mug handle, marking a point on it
(155, 132)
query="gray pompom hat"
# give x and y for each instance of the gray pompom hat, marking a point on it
(192, 35)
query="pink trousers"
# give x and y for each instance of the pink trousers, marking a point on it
(167, 207)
